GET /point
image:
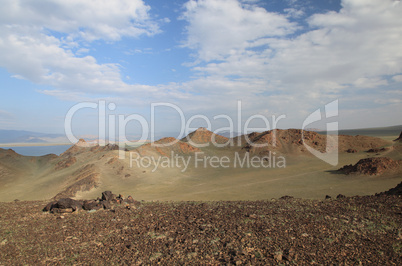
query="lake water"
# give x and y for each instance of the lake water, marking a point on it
(39, 150)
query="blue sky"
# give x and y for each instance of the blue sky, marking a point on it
(279, 57)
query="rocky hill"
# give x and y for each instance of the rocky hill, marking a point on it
(204, 136)
(293, 140)
(372, 166)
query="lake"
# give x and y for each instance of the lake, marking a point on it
(39, 150)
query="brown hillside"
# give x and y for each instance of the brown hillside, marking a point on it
(84, 179)
(292, 141)
(83, 146)
(204, 136)
(165, 146)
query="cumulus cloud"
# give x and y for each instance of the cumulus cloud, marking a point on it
(218, 29)
(31, 50)
(90, 20)
(353, 48)
(241, 52)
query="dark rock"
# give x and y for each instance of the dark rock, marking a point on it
(376, 150)
(92, 205)
(286, 197)
(106, 205)
(399, 138)
(327, 197)
(59, 210)
(340, 196)
(393, 191)
(66, 203)
(351, 151)
(108, 195)
(49, 206)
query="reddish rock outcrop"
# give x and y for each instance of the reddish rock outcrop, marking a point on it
(165, 146)
(65, 163)
(371, 166)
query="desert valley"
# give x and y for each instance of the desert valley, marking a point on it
(176, 170)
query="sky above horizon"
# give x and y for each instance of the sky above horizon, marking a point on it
(278, 57)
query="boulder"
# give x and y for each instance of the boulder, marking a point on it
(92, 205)
(67, 203)
(106, 205)
(49, 206)
(108, 196)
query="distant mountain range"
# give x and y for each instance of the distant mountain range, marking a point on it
(22, 136)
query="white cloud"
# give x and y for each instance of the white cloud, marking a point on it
(31, 50)
(90, 20)
(218, 29)
(360, 43)
(397, 78)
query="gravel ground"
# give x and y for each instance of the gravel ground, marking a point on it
(345, 231)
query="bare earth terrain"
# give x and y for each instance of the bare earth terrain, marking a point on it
(345, 231)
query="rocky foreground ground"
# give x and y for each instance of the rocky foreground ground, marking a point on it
(343, 231)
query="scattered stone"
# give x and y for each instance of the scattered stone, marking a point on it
(351, 151)
(327, 197)
(340, 196)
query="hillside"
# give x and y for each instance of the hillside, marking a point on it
(172, 169)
